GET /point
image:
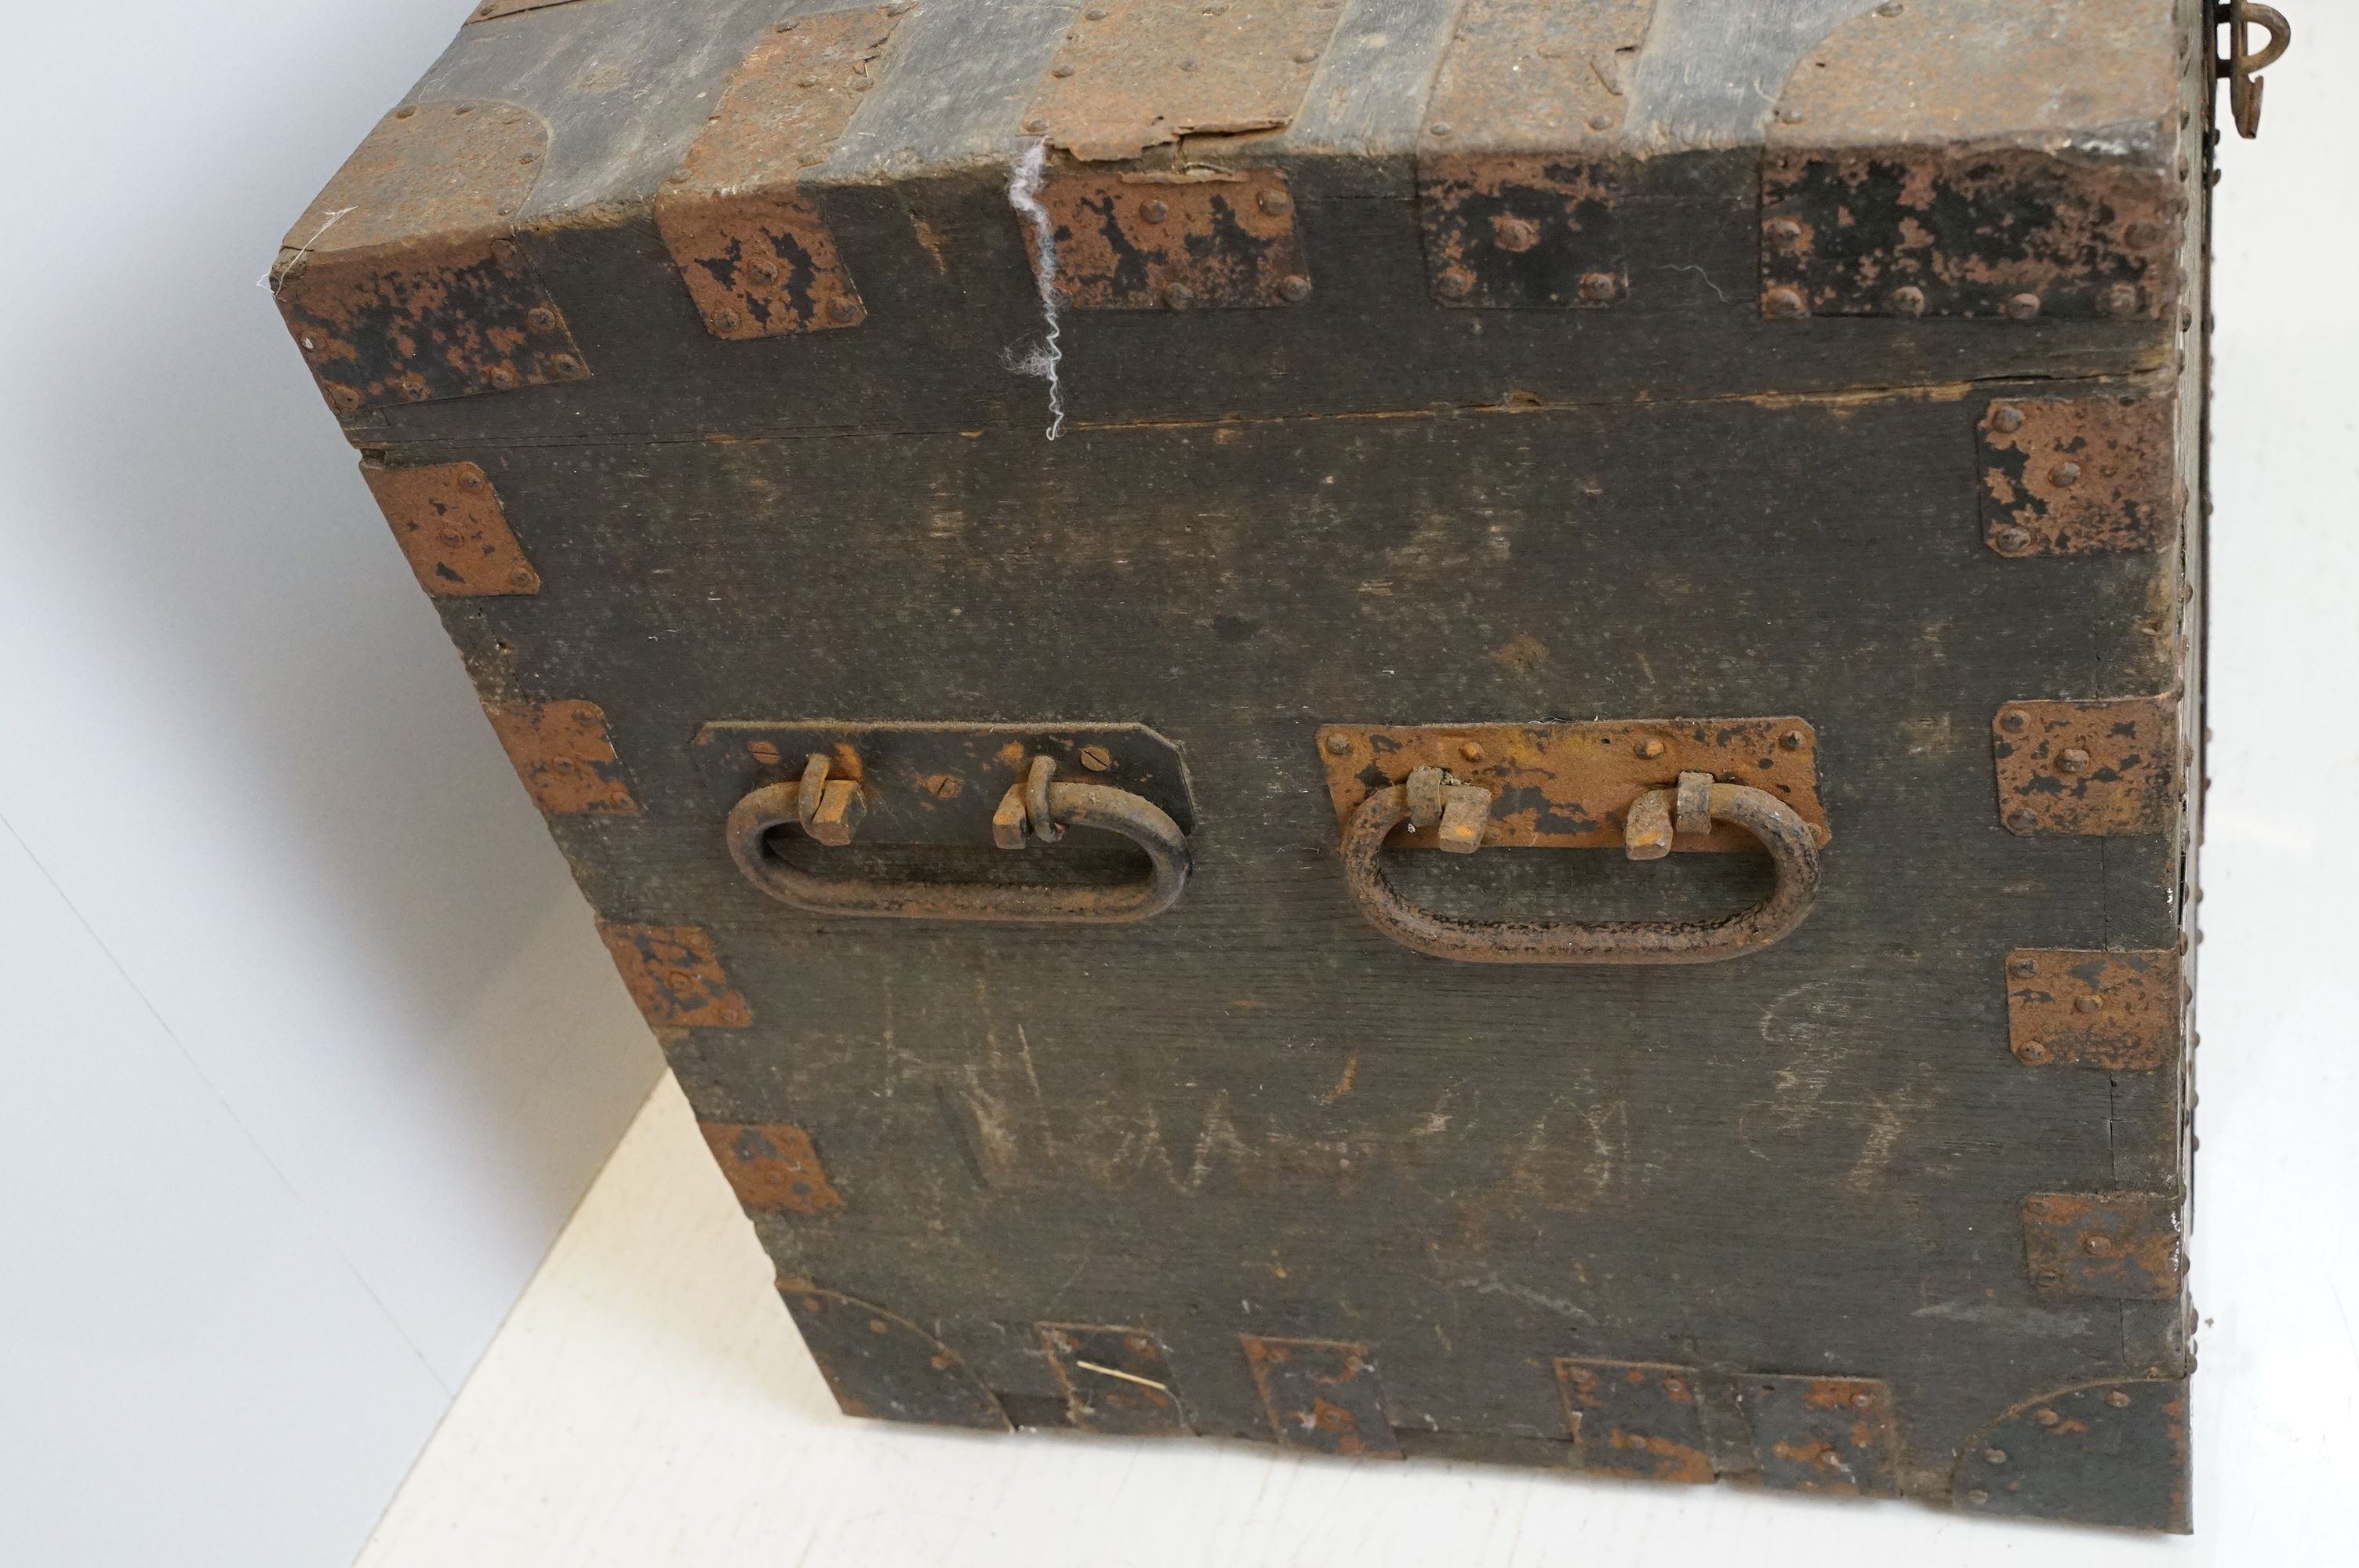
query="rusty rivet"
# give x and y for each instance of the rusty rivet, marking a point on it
(1455, 282)
(1889, 9)
(843, 310)
(1294, 289)
(471, 481)
(2186, 319)
(898, 7)
(2012, 721)
(1097, 758)
(1035, 124)
(2006, 417)
(1276, 203)
(2023, 819)
(2010, 539)
(405, 112)
(520, 578)
(676, 176)
(1515, 233)
(1785, 303)
(527, 157)
(1785, 231)
(2098, 1246)
(1597, 286)
(1061, 67)
(1994, 1455)
(1339, 744)
(942, 786)
(541, 318)
(565, 365)
(1977, 1496)
(463, 109)
(453, 537)
(2048, 1277)
(1440, 129)
(2047, 1418)
(2073, 760)
(1861, 1400)
(2023, 969)
(1153, 210)
(2120, 299)
(501, 377)
(2090, 1003)
(764, 753)
(1790, 117)
(863, 83)
(876, 1325)
(2022, 306)
(1180, 297)
(2066, 473)
(1908, 300)
(344, 398)
(2036, 1206)
(789, 26)
(1188, 63)
(1791, 739)
(2144, 234)
(1471, 751)
(764, 268)
(1650, 747)
(1304, 56)
(503, 252)
(726, 320)
(2117, 1399)
(1601, 122)
(2032, 1050)
(1675, 1386)
(1095, 14)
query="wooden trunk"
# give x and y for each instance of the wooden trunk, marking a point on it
(1550, 432)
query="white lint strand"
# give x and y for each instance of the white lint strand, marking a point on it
(1024, 195)
(296, 260)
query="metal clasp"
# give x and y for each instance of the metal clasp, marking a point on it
(2241, 66)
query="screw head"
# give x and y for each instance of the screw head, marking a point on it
(2010, 540)
(1889, 9)
(1994, 1455)
(863, 83)
(2012, 721)
(1153, 210)
(1601, 122)
(520, 578)
(2071, 761)
(1675, 1386)
(1304, 56)
(1180, 297)
(503, 252)
(2022, 306)
(565, 366)
(453, 537)
(2090, 1003)
(2006, 417)
(942, 786)
(789, 26)
(1650, 747)
(2067, 473)
(1338, 744)
(843, 310)
(1791, 739)
(1294, 289)
(344, 398)
(541, 318)
(405, 112)
(1599, 286)
(2097, 1245)
(1440, 129)
(1785, 231)
(1471, 751)
(1786, 304)
(726, 320)
(763, 269)
(2117, 1399)
(471, 481)
(1097, 758)
(1907, 300)
(2023, 969)
(2022, 819)
(1455, 282)
(2031, 1051)
(1062, 67)
(1095, 14)
(1511, 233)
(503, 377)
(1276, 203)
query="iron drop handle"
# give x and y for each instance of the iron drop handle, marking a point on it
(1458, 812)
(1036, 808)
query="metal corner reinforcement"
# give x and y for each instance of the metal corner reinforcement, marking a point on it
(561, 751)
(2087, 768)
(2077, 476)
(771, 1166)
(672, 973)
(448, 520)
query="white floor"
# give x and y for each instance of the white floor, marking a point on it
(649, 1403)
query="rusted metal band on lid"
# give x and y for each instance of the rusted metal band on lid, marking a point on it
(672, 973)
(1321, 1394)
(450, 524)
(1643, 1419)
(2118, 1246)
(1520, 167)
(2114, 1010)
(1116, 1380)
(564, 756)
(1132, 240)
(2105, 1453)
(882, 1366)
(2078, 476)
(752, 247)
(402, 282)
(2088, 768)
(1829, 1435)
(772, 1167)
(1920, 162)
(1135, 74)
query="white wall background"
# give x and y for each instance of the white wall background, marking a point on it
(309, 1045)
